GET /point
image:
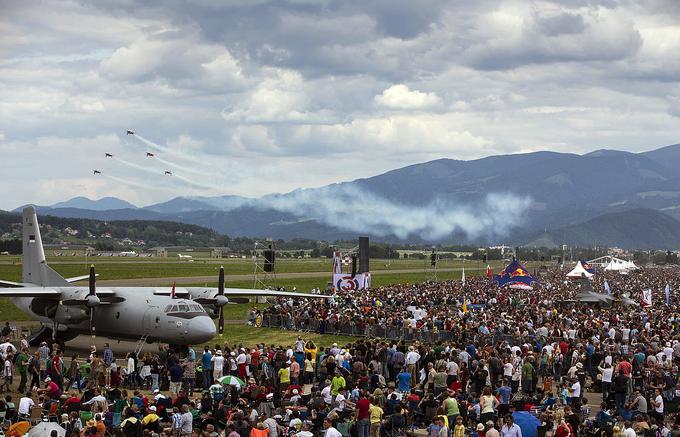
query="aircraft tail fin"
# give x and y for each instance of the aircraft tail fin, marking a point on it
(35, 268)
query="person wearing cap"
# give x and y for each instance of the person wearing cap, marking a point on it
(150, 421)
(491, 431)
(51, 388)
(218, 365)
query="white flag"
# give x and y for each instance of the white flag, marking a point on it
(668, 294)
(606, 287)
(462, 277)
(646, 298)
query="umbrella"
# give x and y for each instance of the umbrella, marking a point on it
(45, 429)
(527, 423)
(231, 380)
(18, 429)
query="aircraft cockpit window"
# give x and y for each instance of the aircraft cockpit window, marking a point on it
(183, 308)
(196, 308)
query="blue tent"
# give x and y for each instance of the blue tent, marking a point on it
(515, 275)
(527, 422)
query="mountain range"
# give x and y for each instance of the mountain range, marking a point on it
(606, 197)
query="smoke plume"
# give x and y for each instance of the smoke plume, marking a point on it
(354, 209)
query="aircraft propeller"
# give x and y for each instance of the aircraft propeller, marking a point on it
(92, 300)
(221, 300)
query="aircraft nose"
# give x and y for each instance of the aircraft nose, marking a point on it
(202, 329)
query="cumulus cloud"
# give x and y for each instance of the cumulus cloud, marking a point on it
(333, 90)
(401, 97)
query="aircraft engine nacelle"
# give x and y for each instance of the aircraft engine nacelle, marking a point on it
(68, 315)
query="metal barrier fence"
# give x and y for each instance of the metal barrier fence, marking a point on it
(391, 332)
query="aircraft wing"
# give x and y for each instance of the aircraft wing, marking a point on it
(248, 292)
(4, 283)
(201, 292)
(30, 292)
(47, 292)
(79, 278)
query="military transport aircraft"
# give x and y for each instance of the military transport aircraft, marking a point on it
(168, 173)
(149, 154)
(130, 132)
(96, 172)
(174, 315)
(108, 155)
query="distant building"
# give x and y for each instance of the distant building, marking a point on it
(219, 252)
(161, 252)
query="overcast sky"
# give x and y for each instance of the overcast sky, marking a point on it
(251, 97)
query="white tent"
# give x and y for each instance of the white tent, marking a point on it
(579, 272)
(619, 265)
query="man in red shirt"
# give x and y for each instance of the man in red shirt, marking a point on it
(363, 422)
(57, 364)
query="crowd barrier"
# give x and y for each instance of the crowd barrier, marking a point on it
(389, 332)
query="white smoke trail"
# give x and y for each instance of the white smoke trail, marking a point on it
(136, 166)
(125, 181)
(354, 209)
(175, 166)
(168, 150)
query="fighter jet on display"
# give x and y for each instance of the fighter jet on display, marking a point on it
(168, 172)
(108, 155)
(130, 132)
(96, 172)
(177, 316)
(149, 154)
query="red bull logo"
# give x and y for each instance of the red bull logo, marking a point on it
(519, 272)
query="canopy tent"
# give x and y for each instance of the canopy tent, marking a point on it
(514, 275)
(611, 263)
(579, 272)
(619, 265)
(586, 265)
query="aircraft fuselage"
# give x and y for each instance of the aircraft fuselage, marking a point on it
(141, 314)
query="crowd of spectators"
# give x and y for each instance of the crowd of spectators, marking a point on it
(516, 364)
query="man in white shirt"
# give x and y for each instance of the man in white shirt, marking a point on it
(452, 368)
(510, 429)
(329, 431)
(657, 403)
(25, 405)
(306, 430)
(327, 395)
(575, 393)
(218, 365)
(412, 357)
